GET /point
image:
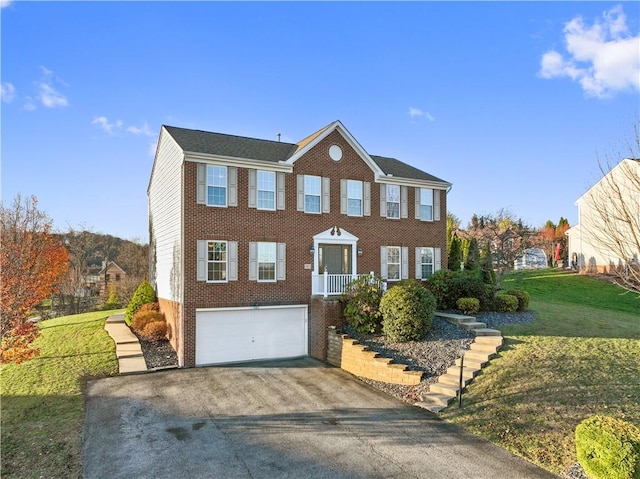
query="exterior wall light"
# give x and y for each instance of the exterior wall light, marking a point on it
(312, 249)
(359, 250)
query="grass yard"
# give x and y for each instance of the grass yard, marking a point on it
(42, 399)
(581, 356)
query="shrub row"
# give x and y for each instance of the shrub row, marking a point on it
(149, 322)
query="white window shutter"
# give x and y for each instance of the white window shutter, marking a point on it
(383, 200)
(417, 203)
(437, 259)
(300, 193)
(232, 258)
(326, 199)
(201, 270)
(405, 262)
(343, 197)
(436, 205)
(281, 262)
(418, 263)
(253, 188)
(232, 180)
(253, 261)
(202, 184)
(280, 191)
(367, 198)
(404, 202)
(383, 262)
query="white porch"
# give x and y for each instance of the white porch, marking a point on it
(335, 261)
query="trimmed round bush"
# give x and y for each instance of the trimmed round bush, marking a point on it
(142, 318)
(468, 305)
(608, 448)
(155, 330)
(407, 310)
(523, 298)
(505, 303)
(144, 294)
(361, 303)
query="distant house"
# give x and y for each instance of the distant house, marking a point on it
(532, 258)
(98, 280)
(605, 239)
(253, 240)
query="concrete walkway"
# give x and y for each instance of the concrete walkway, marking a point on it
(128, 350)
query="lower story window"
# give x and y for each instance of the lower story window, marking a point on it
(426, 262)
(266, 261)
(393, 262)
(217, 261)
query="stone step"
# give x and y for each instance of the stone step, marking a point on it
(442, 388)
(472, 363)
(488, 340)
(438, 399)
(478, 355)
(454, 379)
(429, 406)
(484, 347)
(487, 332)
(474, 326)
(453, 316)
(467, 372)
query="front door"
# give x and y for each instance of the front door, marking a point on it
(336, 258)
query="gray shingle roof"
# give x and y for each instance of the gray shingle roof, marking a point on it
(198, 141)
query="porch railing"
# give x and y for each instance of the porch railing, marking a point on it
(331, 284)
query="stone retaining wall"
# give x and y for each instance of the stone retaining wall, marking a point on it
(355, 358)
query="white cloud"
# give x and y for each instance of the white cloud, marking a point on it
(7, 92)
(604, 57)
(418, 113)
(104, 123)
(5, 3)
(50, 97)
(140, 130)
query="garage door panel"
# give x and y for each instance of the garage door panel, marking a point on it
(245, 334)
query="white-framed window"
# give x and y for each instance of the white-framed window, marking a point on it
(266, 190)
(312, 194)
(426, 262)
(426, 204)
(393, 201)
(354, 198)
(217, 261)
(266, 262)
(216, 185)
(393, 263)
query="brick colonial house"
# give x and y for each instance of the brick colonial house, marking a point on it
(252, 241)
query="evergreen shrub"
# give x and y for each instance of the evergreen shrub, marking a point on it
(468, 305)
(144, 294)
(505, 303)
(523, 298)
(361, 303)
(608, 448)
(407, 311)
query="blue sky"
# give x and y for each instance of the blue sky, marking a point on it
(512, 102)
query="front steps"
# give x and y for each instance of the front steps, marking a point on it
(484, 347)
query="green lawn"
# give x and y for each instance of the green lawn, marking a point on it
(581, 356)
(42, 399)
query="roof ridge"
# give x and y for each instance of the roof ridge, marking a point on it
(244, 137)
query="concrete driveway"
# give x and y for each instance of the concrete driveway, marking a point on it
(282, 419)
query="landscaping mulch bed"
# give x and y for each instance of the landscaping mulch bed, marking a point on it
(158, 354)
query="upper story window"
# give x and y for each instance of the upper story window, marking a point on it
(312, 194)
(426, 204)
(393, 201)
(266, 190)
(354, 198)
(216, 185)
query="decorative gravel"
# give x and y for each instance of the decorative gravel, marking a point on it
(433, 355)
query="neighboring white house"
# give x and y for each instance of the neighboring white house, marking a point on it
(607, 235)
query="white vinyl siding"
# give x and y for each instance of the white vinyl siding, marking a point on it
(313, 195)
(267, 261)
(394, 262)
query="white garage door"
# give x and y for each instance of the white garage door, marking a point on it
(246, 334)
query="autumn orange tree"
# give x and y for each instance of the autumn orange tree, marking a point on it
(32, 262)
